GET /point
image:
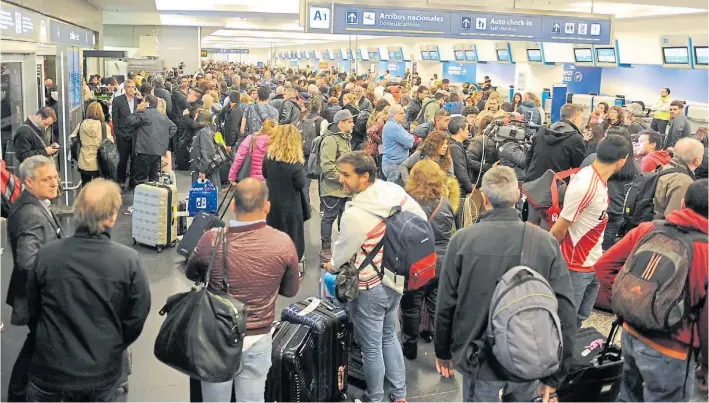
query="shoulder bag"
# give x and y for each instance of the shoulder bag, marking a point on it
(204, 330)
(245, 170)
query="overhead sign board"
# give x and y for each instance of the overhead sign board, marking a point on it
(351, 19)
(67, 34)
(230, 51)
(22, 24)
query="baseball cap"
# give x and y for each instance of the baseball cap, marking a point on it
(342, 115)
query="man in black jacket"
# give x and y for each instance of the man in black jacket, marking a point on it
(231, 116)
(30, 225)
(414, 108)
(153, 132)
(289, 113)
(30, 139)
(123, 106)
(477, 257)
(160, 92)
(79, 351)
(558, 147)
(460, 130)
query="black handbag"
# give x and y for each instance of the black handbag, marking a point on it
(245, 170)
(204, 330)
(221, 157)
(107, 156)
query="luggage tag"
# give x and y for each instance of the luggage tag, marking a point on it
(594, 345)
(312, 306)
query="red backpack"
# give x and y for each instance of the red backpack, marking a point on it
(11, 188)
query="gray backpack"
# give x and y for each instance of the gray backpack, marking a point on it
(523, 339)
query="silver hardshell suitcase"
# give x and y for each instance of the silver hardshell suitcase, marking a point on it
(154, 220)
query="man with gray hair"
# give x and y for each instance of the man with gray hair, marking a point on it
(30, 225)
(67, 280)
(671, 187)
(160, 92)
(396, 141)
(278, 98)
(477, 257)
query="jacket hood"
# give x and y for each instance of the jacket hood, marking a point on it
(380, 198)
(688, 218)
(333, 129)
(659, 157)
(528, 103)
(559, 132)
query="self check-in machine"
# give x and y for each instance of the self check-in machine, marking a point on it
(583, 56)
(430, 53)
(396, 53)
(504, 53)
(675, 52)
(535, 52)
(699, 51)
(465, 53)
(606, 56)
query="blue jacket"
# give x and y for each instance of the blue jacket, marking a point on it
(397, 142)
(454, 108)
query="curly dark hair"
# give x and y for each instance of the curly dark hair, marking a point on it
(430, 146)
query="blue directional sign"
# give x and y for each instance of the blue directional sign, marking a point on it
(351, 19)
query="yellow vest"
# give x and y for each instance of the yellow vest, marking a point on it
(664, 115)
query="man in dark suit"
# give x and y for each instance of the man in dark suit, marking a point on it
(30, 225)
(30, 138)
(123, 107)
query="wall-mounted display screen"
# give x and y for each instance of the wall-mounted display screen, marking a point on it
(583, 55)
(606, 55)
(325, 55)
(425, 55)
(303, 54)
(311, 54)
(470, 55)
(701, 55)
(503, 55)
(678, 55)
(434, 54)
(349, 54)
(534, 55)
(459, 55)
(373, 55)
(338, 54)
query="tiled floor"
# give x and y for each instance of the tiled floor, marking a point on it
(153, 381)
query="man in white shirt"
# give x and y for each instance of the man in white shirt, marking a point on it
(583, 220)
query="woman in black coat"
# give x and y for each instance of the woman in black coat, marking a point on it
(284, 171)
(331, 109)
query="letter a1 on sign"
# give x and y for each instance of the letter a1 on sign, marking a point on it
(319, 18)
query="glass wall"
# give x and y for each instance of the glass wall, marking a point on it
(11, 102)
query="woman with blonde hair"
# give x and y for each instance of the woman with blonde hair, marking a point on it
(256, 145)
(284, 171)
(90, 133)
(428, 185)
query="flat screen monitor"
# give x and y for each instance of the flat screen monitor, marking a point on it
(701, 55)
(373, 55)
(459, 55)
(311, 54)
(338, 55)
(606, 55)
(349, 54)
(503, 55)
(425, 55)
(434, 54)
(470, 55)
(676, 55)
(583, 55)
(303, 54)
(534, 55)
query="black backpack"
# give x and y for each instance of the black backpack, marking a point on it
(639, 204)
(308, 133)
(360, 127)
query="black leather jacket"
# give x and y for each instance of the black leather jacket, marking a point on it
(476, 163)
(29, 226)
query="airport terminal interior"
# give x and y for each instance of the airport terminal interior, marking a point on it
(583, 52)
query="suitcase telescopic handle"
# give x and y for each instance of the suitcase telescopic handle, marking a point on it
(232, 190)
(611, 337)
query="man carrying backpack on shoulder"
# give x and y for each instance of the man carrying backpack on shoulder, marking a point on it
(479, 256)
(375, 311)
(662, 266)
(688, 155)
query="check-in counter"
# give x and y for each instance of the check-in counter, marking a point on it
(698, 116)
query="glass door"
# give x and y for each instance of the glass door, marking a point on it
(11, 101)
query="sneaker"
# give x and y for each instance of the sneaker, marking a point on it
(402, 400)
(325, 255)
(128, 211)
(410, 351)
(426, 336)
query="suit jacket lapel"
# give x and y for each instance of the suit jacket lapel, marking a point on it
(50, 216)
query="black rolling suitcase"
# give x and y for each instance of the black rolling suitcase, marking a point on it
(331, 328)
(596, 373)
(293, 376)
(202, 223)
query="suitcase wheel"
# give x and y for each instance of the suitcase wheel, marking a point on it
(159, 248)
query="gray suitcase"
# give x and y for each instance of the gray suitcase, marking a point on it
(154, 220)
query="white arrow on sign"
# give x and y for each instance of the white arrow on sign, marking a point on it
(557, 27)
(352, 17)
(466, 22)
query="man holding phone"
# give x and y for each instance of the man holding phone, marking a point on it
(30, 138)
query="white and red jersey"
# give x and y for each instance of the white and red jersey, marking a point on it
(585, 205)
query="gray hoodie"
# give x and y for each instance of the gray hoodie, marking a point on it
(362, 215)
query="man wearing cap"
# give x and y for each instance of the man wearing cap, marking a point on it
(633, 118)
(335, 142)
(289, 114)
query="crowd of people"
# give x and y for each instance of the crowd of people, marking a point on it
(441, 152)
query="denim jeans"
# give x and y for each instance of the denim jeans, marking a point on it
(615, 222)
(250, 384)
(391, 172)
(111, 393)
(650, 376)
(585, 287)
(333, 209)
(496, 391)
(374, 316)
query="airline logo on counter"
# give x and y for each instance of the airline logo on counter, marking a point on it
(354, 19)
